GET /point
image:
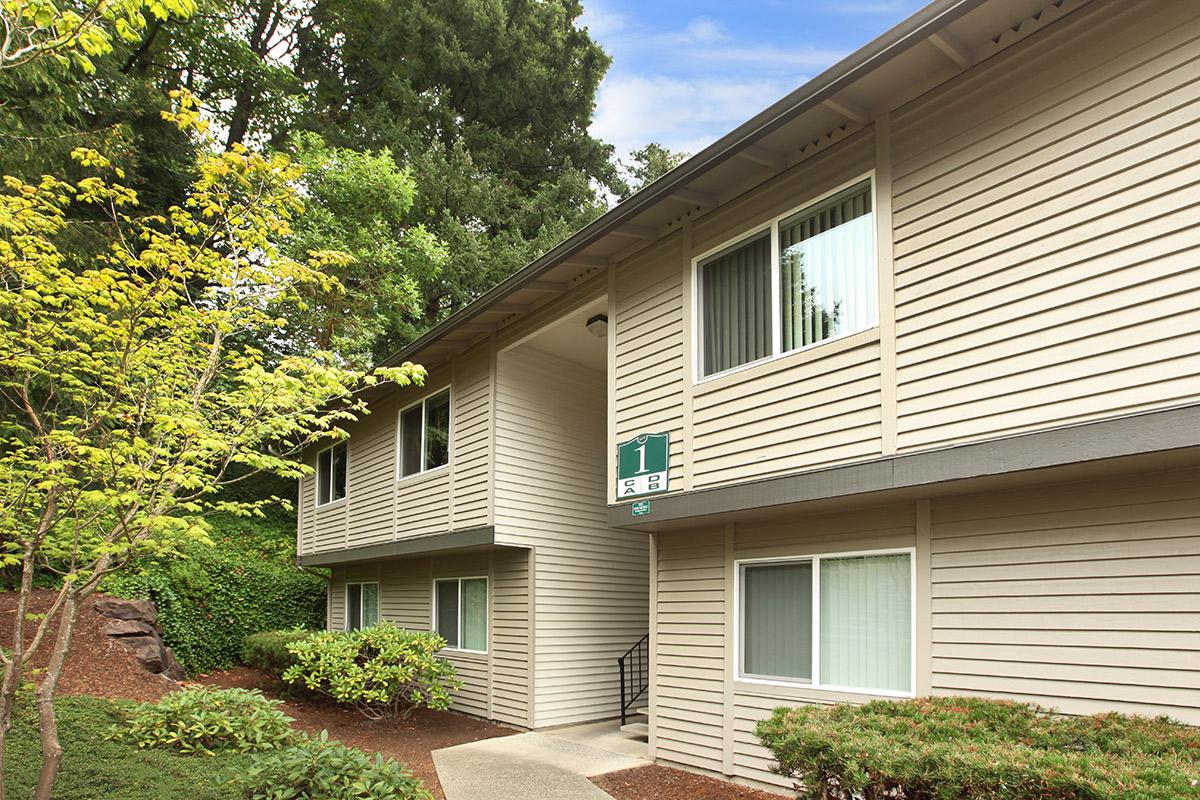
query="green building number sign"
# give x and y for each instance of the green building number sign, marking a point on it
(642, 465)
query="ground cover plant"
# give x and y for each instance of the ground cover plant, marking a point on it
(958, 747)
(97, 767)
(381, 671)
(205, 720)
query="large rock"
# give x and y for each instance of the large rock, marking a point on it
(148, 650)
(171, 667)
(129, 627)
(116, 608)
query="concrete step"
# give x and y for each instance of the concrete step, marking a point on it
(640, 729)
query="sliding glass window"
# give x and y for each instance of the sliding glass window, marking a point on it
(842, 622)
(460, 612)
(822, 261)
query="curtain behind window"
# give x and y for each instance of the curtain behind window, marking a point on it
(866, 622)
(777, 620)
(736, 293)
(370, 604)
(474, 614)
(828, 279)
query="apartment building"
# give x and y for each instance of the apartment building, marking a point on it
(892, 391)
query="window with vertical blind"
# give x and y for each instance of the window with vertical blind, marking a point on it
(841, 622)
(809, 278)
(460, 612)
(362, 605)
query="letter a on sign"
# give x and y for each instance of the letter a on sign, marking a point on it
(642, 465)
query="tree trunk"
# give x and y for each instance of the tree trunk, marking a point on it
(51, 748)
(13, 667)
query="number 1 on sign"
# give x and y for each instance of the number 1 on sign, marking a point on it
(641, 451)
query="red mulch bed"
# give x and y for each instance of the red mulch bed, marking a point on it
(408, 741)
(96, 664)
(664, 783)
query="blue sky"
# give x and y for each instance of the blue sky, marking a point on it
(684, 73)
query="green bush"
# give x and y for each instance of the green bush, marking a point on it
(98, 767)
(206, 719)
(268, 650)
(959, 747)
(211, 598)
(381, 670)
(320, 769)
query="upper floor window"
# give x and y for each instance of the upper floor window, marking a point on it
(331, 474)
(807, 278)
(425, 434)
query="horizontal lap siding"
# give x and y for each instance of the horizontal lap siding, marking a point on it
(649, 331)
(379, 508)
(810, 409)
(471, 438)
(1045, 240)
(689, 625)
(822, 411)
(405, 598)
(591, 582)
(695, 655)
(1085, 597)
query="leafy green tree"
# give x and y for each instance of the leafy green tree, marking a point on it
(646, 165)
(132, 390)
(358, 203)
(488, 102)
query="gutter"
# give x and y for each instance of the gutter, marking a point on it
(866, 59)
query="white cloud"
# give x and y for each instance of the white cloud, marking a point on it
(685, 115)
(601, 22)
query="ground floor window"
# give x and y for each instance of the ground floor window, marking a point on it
(362, 605)
(839, 622)
(460, 612)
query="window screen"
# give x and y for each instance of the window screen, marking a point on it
(736, 295)
(437, 430)
(410, 441)
(777, 620)
(447, 611)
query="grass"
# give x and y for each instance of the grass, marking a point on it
(95, 768)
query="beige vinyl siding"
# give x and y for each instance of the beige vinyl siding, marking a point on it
(649, 332)
(591, 589)
(471, 439)
(378, 508)
(1045, 237)
(305, 515)
(495, 683)
(1085, 596)
(704, 717)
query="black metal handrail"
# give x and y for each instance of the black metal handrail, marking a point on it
(634, 667)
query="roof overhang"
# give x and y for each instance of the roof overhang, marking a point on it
(935, 44)
(481, 538)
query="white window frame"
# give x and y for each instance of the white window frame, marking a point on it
(378, 599)
(815, 559)
(487, 610)
(772, 225)
(423, 403)
(317, 476)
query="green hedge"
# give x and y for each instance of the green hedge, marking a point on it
(957, 747)
(210, 599)
(268, 650)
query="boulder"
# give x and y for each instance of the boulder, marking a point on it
(129, 627)
(116, 608)
(148, 650)
(171, 667)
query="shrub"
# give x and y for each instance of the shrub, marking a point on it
(205, 719)
(211, 597)
(960, 747)
(320, 769)
(381, 670)
(268, 650)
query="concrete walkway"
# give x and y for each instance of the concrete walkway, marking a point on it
(545, 766)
